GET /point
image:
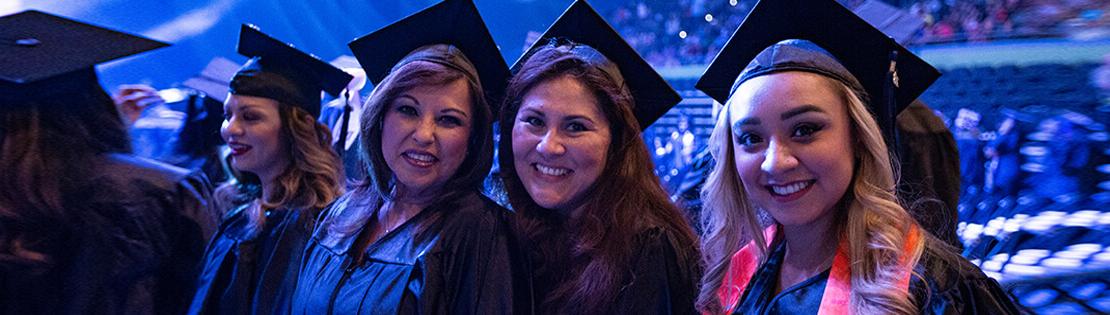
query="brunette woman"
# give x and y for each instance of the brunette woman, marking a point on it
(85, 226)
(417, 236)
(602, 234)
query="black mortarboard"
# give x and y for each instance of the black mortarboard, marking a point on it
(283, 73)
(452, 22)
(44, 55)
(213, 81)
(860, 49)
(580, 24)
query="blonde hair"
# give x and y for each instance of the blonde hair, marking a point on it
(876, 224)
(312, 180)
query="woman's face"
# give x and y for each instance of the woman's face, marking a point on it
(424, 136)
(252, 130)
(560, 140)
(793, 146)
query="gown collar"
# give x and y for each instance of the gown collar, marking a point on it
(835, 300)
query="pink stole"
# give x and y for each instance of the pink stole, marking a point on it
(835, 300)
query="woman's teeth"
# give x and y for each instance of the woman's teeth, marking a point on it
(552, 171)
(790, 189)
(420, 157)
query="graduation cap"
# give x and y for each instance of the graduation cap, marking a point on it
(853, 49)
(580, 24)
(44, 55)
(451, 22)
(213, 81)
(283, 73)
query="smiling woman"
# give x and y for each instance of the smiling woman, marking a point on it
(425, 133)
(560, 141)
(417, 235)
(803, 212)
(603, 236)
(790, 139)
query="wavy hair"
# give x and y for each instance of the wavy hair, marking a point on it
(46, 149)
(876, 223)
(312, 180)
(593, 247)
(380, 181)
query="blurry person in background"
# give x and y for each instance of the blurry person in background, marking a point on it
(971, 153)
(150, 123)
(175, 126)
(1003, 158)
(1063, 163)
(85, 226)
(683, 142)
(198, 143)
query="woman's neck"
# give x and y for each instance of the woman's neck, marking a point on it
(269, 186)
(810, 249)
(405, 204)
(269, 179)
(405, 197)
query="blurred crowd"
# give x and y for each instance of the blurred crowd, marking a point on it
(689, 32)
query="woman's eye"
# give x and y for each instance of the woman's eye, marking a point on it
(749, 139)
(407, 110)
(574, 126)
(532, 120)
(805, 130)
(450, 121)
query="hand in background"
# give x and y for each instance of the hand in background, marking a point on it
(132, 99)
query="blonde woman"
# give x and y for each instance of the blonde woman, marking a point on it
(803, 216)
(286, 172)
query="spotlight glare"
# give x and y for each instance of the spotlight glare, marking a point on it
(708, 17)
(682, 34)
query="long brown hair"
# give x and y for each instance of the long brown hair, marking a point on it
(312, 180)
(380, 182)
(593, 248)
(46, 150)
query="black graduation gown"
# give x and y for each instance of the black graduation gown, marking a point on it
(253, 275)
(458, 257)
(948, 288)
(662, 280)
(134, 250)
(659, 280)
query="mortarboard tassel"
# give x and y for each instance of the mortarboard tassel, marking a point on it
(341, 145)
